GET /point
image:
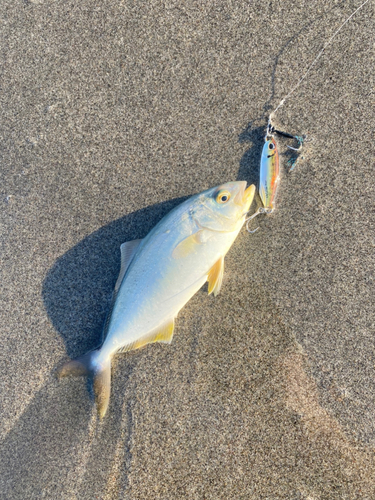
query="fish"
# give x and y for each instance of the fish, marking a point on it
(160, 273)
(269, 175)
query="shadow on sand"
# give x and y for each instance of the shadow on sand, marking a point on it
(78, 288)
(76, 293)
(59, 434)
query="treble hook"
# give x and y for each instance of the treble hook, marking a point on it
(261, 210)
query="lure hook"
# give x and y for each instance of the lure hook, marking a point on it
(299, 138)
(261, 210)
(249, 230)
(255, 214)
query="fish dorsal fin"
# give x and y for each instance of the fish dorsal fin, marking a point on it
(215, 277)
(189, 244)
(128, 250)
(162, 334)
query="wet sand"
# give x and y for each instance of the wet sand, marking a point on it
(113, 113)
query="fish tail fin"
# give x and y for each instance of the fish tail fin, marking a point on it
(102, 387)
(99, 371)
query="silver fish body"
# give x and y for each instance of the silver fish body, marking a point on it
(160, 274)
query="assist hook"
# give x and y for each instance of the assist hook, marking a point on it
(299, 138)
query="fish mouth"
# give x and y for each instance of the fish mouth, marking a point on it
(244, 197)
(248, 195)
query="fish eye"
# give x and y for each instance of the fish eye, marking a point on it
(271, 146)
(223, 196)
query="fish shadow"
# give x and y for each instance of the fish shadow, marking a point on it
(77, 292)
(78, 288)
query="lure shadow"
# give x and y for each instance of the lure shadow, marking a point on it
(249, 163)
(78, 288)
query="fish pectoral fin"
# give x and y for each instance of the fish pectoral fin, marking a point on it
(189, 244)
(215, 277)
(128, 250)
(162, 334)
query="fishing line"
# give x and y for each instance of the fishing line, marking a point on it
(315, 61)
(269, 165)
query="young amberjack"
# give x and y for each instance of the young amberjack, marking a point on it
(159, 275)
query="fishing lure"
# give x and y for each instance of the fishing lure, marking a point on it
(269, 165)
(269, 177)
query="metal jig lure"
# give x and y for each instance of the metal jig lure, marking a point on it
(269, 164)
(269, 175)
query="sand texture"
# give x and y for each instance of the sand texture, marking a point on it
(112, 112)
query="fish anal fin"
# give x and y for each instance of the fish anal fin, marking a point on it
(215, 276)
(189, 244)
(128, 250)
(163, 334)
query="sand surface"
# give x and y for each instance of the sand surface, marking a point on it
(111, 113)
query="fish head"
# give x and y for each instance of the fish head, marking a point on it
(224, 207)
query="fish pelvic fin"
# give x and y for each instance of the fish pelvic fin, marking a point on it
(99, 372)
(215, 277)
